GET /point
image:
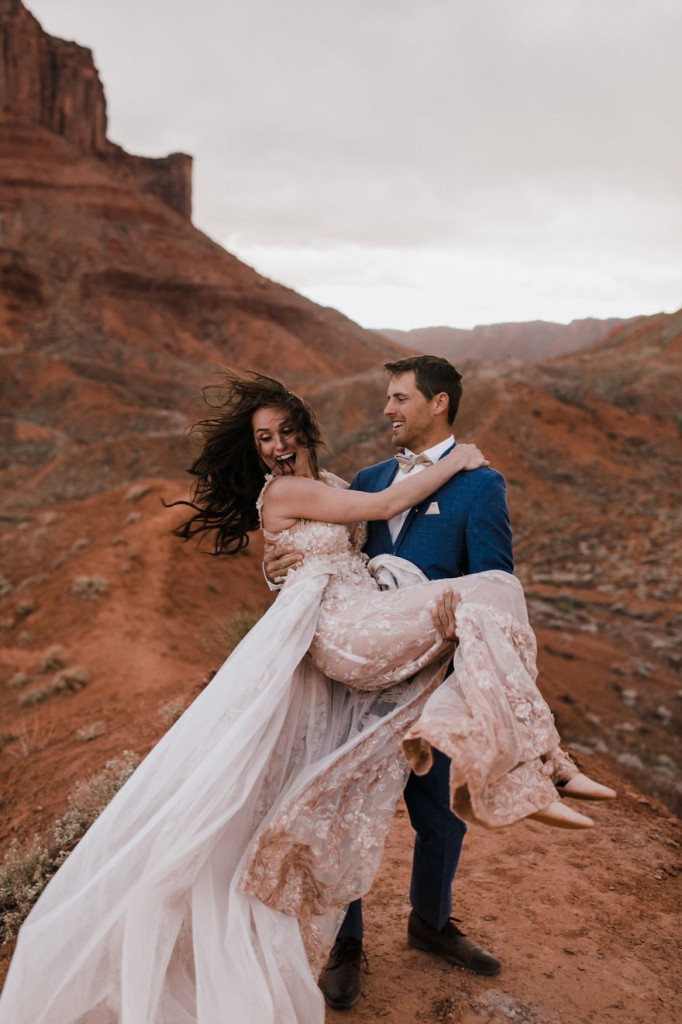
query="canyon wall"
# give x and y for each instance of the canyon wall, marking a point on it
(54, 83)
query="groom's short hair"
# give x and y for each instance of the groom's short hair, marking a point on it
(432, 375)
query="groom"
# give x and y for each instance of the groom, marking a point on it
(463, 528)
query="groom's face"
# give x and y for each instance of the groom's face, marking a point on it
(415, 420)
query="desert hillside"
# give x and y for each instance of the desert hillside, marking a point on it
(114, 311)
(529, 342)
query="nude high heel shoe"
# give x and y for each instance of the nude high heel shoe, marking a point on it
(569, 781)
(582, 787)
(560, 816)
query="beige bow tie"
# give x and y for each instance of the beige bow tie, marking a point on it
(406, 463)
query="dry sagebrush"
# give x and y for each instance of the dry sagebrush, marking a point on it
(27, 869)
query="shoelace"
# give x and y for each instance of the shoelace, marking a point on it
(346, 952)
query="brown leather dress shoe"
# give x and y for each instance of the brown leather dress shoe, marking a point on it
(452, 944)
(340, 980)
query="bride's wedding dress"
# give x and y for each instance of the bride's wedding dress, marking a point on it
(212, 887)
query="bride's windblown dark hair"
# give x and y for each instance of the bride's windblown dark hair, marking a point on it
(228, 471)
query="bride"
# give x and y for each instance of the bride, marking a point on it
(213, 885)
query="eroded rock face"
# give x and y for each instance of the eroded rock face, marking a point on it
(49, 81)
(55, 84)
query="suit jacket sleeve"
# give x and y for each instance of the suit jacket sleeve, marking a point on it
(488, 528)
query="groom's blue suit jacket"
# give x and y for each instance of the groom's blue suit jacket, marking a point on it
(467, 530)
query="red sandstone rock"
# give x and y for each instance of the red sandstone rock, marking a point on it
(55, 84)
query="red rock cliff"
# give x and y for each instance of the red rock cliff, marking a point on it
(55, 84)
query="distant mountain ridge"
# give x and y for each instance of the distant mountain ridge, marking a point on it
(531, 341)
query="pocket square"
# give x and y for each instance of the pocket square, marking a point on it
(433, 509)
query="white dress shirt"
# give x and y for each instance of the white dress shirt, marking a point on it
(395, 525)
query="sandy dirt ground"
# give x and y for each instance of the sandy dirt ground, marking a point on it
(586, 924)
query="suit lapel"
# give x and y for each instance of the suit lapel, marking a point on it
(411, 514)
(403, 529)
(385, 474)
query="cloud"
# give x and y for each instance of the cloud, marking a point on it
(496, 129)
(397, 287)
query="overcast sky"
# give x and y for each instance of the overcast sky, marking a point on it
(415, 162)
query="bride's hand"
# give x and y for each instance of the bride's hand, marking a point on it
(472, 456)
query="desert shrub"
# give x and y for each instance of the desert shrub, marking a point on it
(27, 869)
(39, 695)
(69, 680)
(90, 731)
(171, 711)
(239, 626)
(18, 680)
(25, 607)
(32, 736)
(90, 587)
(53, 658)
(136, 492)
(205, 680)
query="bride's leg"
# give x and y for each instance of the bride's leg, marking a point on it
(491, 720)
(380, 638)
(490, 717)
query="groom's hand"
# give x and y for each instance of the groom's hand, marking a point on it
(443, 615)
(277, 562)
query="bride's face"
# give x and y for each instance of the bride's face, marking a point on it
(278, 444)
